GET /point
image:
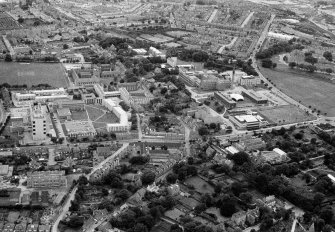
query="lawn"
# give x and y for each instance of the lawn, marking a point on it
(286, 115)
(308, 88)
(93, 112)
(200, 185)
(32, 74)
(108, 118)
(79, 115)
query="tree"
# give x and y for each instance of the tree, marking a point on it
(240, 158)
(20, 20)
(75, 222)
(82, 180)
(163, 91)
(200, 208)
(327, 215)
(246, 197)
(65, 46)
(140, 227)
(203, 131)
(267, 63)
(8, 58)
(310, 59)
(148, 177)
(292, 64)
(227, 209)
(328, 55)
(318, 198)
(171, 178)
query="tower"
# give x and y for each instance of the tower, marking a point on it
(38, 122)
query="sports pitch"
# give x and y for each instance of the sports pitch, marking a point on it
(30, 74)
(308, 88)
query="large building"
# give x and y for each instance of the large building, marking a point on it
(85, 77)
(254, 96)
(48, 95)
(104, 94)
(188, 77)
(136, 98)
(225, 99)
(123, 124)
(48, 179)
(249, 81)
(156, 53)
(39, 122)
(79, 129)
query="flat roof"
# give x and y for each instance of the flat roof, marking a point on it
(4, 169)
(64, 112)
(246, 118)
(79, 127)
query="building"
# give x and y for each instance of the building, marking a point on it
(47, 179)
(130, 86)
(225, 99)
(123, 124)
(156, 53)
(85, 77)
(6, 171)
(254, 96)
(213, 82)
(79, 129)
(188, 77)
(139, 51)
(249, 81)
(134, 99)
(6, 153)
(28, 98)
(38, 122)
(89, 98)
(105, 94)
(172, 61)
(276, 156)
(64, 113)
(208, 116)
(74, 105)
(247, 121)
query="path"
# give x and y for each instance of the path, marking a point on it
(67, 204)
(246, 21)
(212, 17)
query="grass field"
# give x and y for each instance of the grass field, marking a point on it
(286, 115)
(93, 112)
(32, 74)
(79, 115)
(200, 185)
(108, 118)
(308, 88)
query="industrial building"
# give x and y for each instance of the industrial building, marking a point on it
(47, 179)
(225, 99)
(39, 122)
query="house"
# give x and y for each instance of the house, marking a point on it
(173, 189)
(239, 218)
(136, 199)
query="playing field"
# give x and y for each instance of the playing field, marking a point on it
(286, 115)
(30, 74)
(308, 88)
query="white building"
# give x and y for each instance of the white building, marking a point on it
(105, 94)
(156, 53)
(39, 122)
(47, 95)
(249, 81)
(123, 124)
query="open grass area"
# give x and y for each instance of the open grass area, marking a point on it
(79, 115)
(93, 112)
(309, 88)
(32, 74)
(286, 115)
(108, 118)
(200, 185)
